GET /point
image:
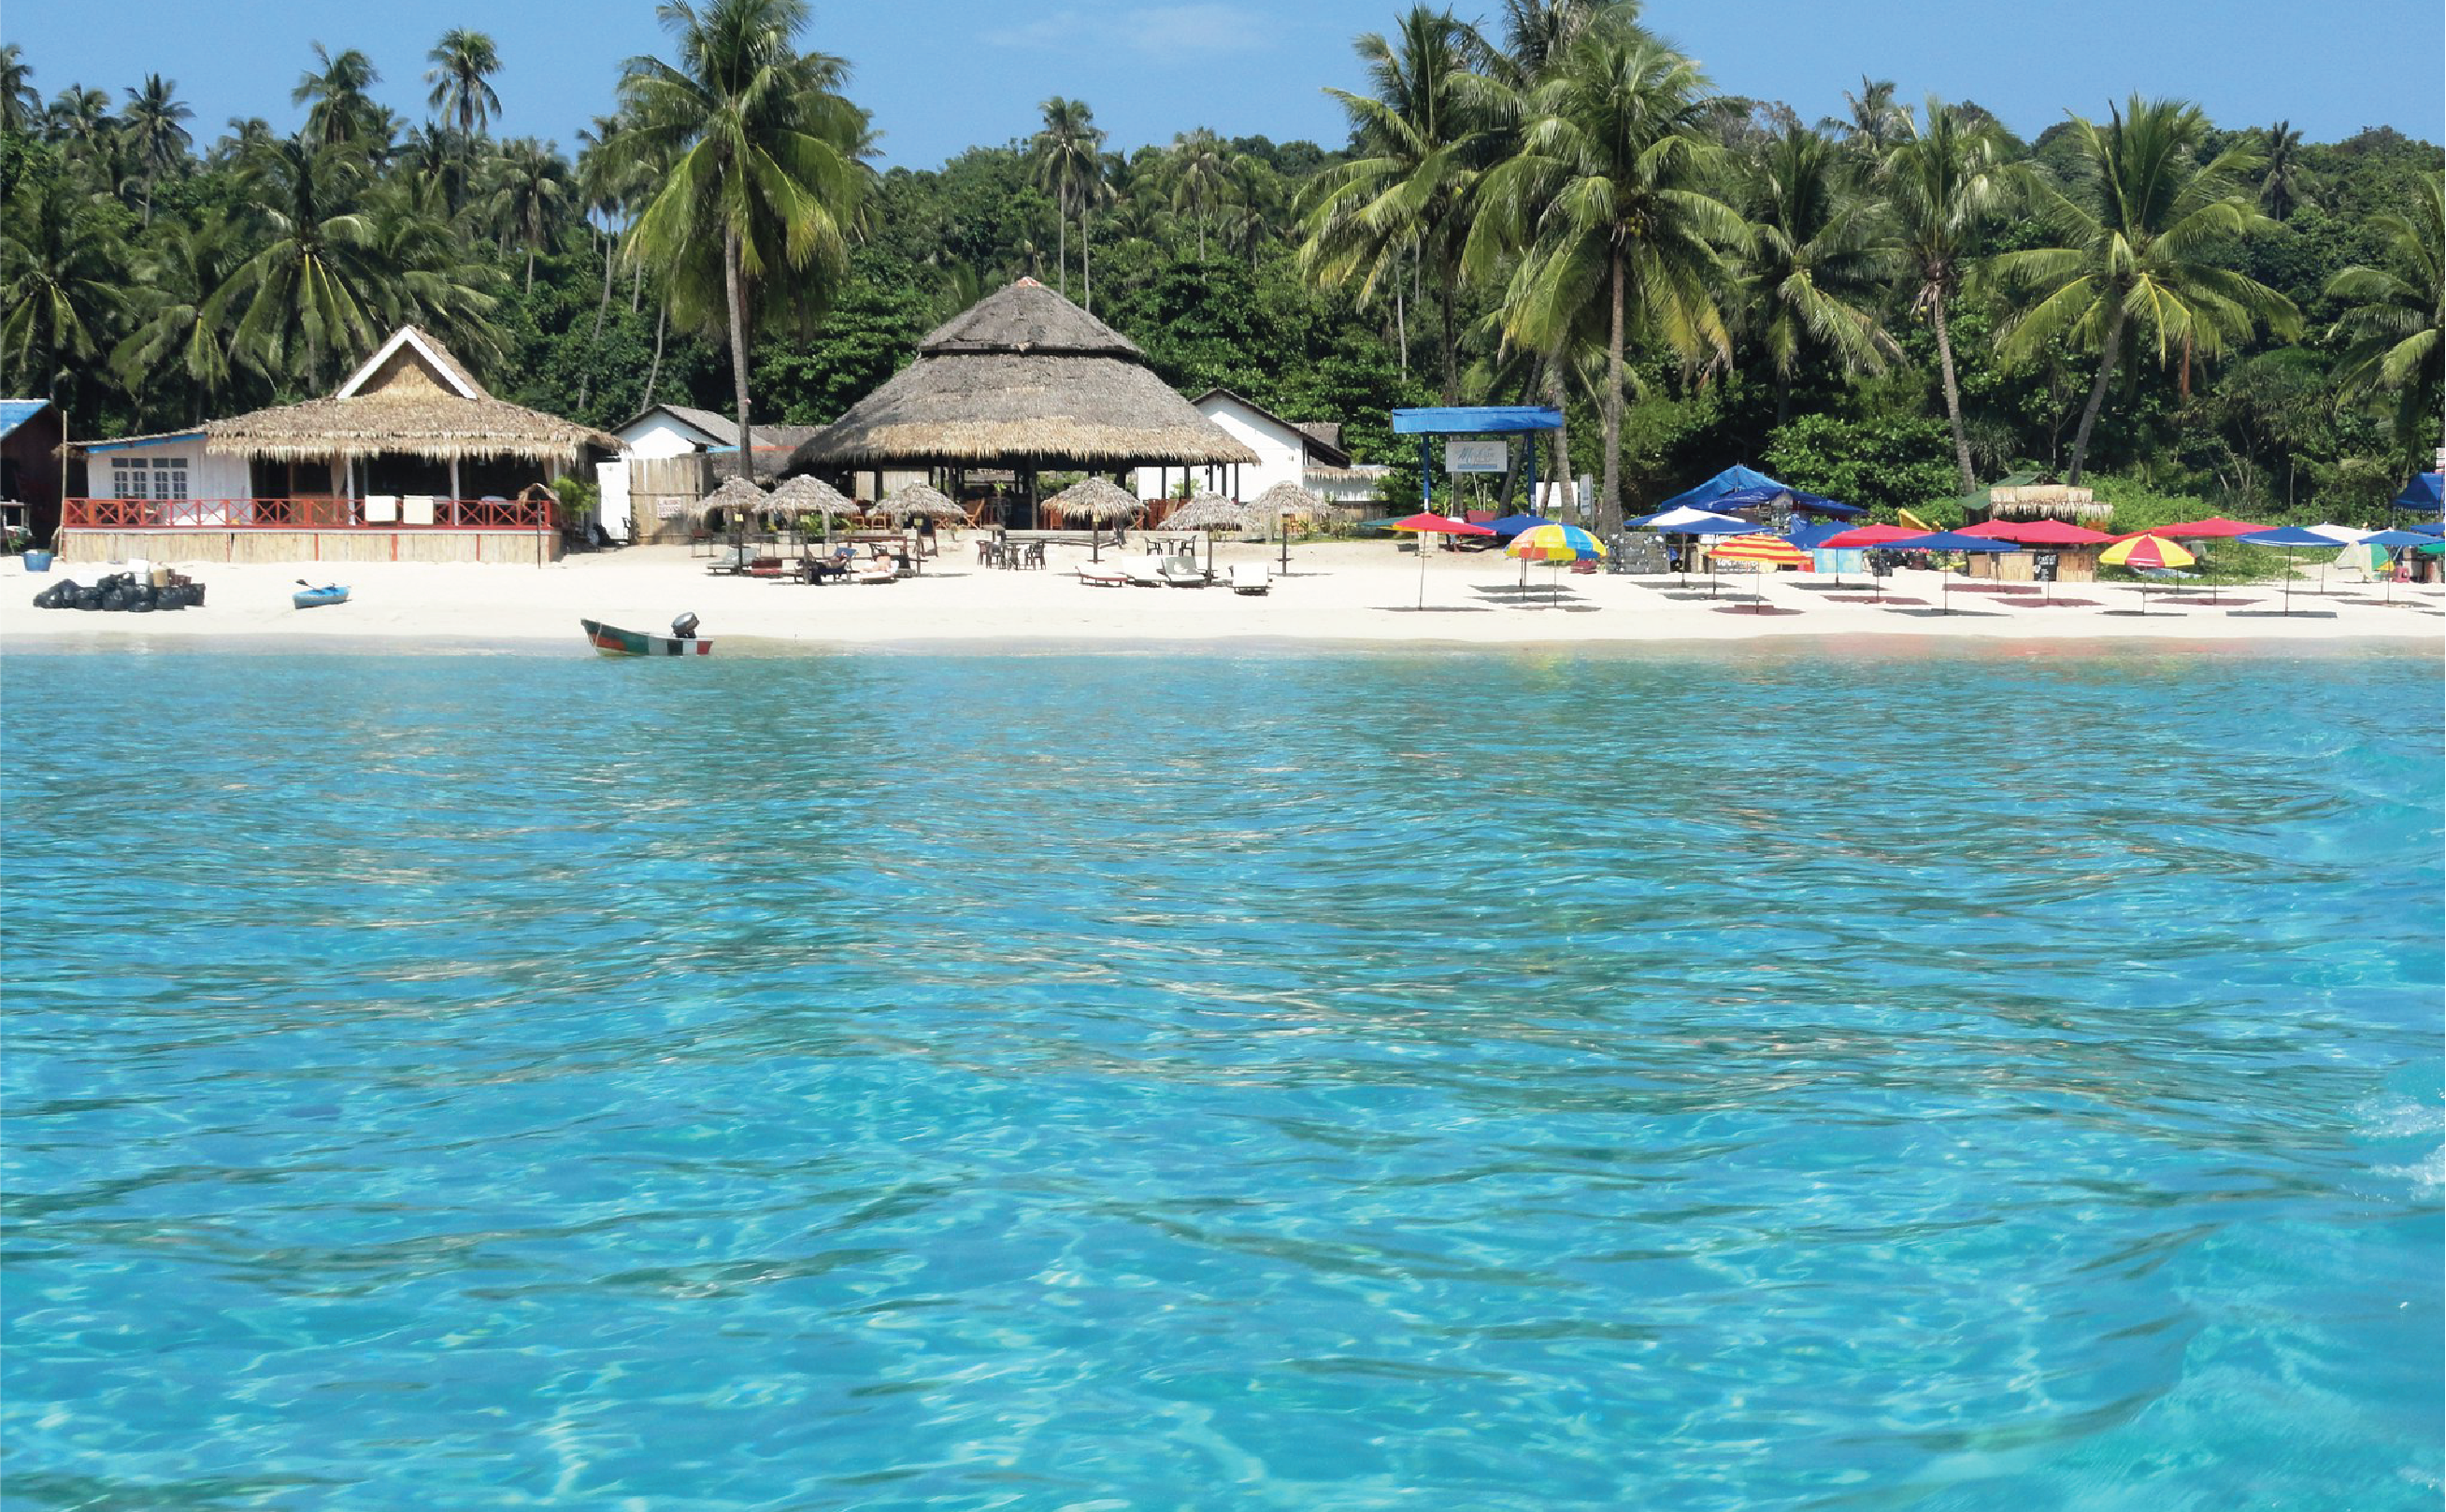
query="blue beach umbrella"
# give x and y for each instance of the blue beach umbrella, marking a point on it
(2394, 541)
(1685, 521)
(1511, 525)
(2291, 538)
(1949, 541)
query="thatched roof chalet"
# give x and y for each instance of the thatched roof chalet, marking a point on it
(2031, 501)
(412, 397)
(1023, 379)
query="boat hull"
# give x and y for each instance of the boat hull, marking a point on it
(613, 640)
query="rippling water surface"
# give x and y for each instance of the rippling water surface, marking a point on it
(1738, 1081)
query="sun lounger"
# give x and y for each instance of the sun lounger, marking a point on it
(1252, 577)
(1103, 576)
(874, 569)
(1182, 574)
(1146, 572)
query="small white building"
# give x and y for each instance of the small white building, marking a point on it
(677, 430)
(1307, 456)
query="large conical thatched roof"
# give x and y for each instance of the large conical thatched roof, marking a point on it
(1023, 379)
(412, 397)
(1095, 498)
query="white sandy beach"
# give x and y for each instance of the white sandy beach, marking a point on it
(1341, 591)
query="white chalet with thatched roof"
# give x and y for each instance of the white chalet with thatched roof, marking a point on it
(409, 447)
(1306, 455)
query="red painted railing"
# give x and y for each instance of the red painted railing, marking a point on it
(307, 514)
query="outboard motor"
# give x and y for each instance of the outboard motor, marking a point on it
(683, 628)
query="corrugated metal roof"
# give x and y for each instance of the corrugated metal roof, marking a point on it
(16, 412)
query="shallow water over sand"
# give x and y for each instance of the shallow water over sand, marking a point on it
(1690, 1080)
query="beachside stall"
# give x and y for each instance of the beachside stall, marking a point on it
(2068, 562)
(1024, 381)
(409, 459)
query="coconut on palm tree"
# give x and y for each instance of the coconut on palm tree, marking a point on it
(1946, 184)
(763, 179)
(2391, 327)
(1422, 135)
(1611, 201)
(2141, 240)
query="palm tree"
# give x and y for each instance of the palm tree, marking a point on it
(311, 291)
(1422, 134)
(1069, 158)
(2391, 330)
(176, 279)
(1817, 268)
(423, 271)
(2285, 184)
(1612, 202)
(2142, 240)
(464, 62)
(763, 178)
(60, 272)
(1870, 119)
(1946, 182)
(531, 195)
(78, 117)
(341, 111)
(152, 127)
(20, 106)
(1200, 172)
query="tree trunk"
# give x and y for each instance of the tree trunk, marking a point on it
(529, 270)
(1563, 432)
(602, 305)
(2113, 347)
(1782, 398)
(1609, 500)
(1952, 392)
(1086, 270)
(1451, 279)
(1062, 247)
(1400, 327)
(636, 286)
(736, 306)
(662, 321)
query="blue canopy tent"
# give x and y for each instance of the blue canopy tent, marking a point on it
(1472, 419)
(2422, 496)
(1740, 488)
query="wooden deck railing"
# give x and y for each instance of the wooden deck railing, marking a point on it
(414, 512)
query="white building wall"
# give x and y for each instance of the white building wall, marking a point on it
(1282, 455)
(611, 504)
(660, 434)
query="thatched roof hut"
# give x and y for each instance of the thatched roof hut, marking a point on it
(1023, 379)
(1096, 499)
(412, 397)
(2057, 501)
(912, 501)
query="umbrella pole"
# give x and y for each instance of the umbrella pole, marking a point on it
(1423, 570)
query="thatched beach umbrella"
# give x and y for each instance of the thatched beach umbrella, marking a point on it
(1210, 513)
(1288, 501)
(912, 501)
(1100, 503)
(739, 498)
(807, 495)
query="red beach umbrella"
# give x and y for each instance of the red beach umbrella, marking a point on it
(2040, 533)
(1428, 523)
(2216, 528)
(1865, 536)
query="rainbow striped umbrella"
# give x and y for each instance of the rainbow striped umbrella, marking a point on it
(1768, 551)
(1555, 544)
(2145, 551)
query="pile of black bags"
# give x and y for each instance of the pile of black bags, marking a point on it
(120, 593)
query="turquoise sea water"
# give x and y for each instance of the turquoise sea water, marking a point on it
(1752, 1079)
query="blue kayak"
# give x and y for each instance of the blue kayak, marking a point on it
(315, 598)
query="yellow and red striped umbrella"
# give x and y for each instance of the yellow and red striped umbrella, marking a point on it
(2146, 551)
(1766, 550)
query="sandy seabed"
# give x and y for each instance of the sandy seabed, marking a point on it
(1347, 593)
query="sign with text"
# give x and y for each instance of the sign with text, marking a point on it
(1477, 457)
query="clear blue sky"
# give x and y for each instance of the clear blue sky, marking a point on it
(941, 75)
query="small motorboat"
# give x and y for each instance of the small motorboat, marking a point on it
(308, 597)
(613, 640)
